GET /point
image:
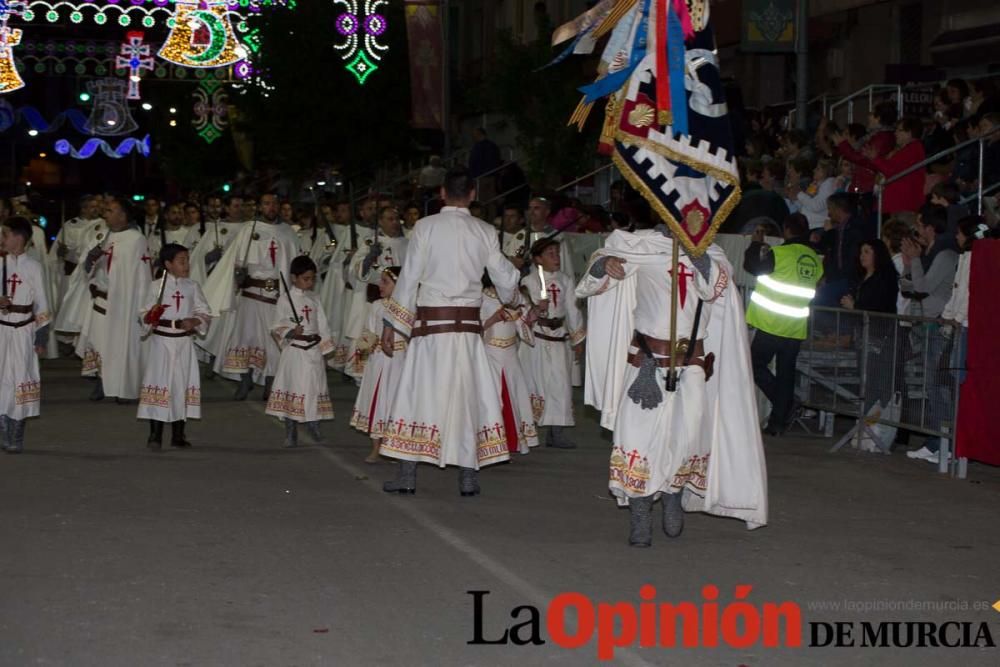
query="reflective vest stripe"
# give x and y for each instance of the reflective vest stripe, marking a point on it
(779, 308)
(785, 288)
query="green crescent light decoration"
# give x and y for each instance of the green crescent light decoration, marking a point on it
(202, 36)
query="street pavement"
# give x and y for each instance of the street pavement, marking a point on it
(239, 552)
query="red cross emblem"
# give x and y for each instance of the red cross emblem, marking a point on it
(272, 250)
(554, 291)
(305, 311)
(177, 300)
(14, 282)
(683, 274)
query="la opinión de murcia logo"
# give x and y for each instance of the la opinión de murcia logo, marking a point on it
(708, 623)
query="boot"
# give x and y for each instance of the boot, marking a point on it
(16, 426)
(374, 456)
(268, 383)
(640, 521)
(312, 428)
(5, 431)
(673, 514)
(291, 433)
(246, 384)
(406, 480)
(177, 435)
(468, 481)
(155, 440)
(98, 393)
(558, 439)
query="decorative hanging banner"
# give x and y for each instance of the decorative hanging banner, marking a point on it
(134, 56)
(10, 80)
(202, 35)
(110, 116)
(425, 36)
(210, 110)
(92, 146)
(361, 33)
(666, 124)
(768, 26)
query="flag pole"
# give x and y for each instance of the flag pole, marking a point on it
(671, 383)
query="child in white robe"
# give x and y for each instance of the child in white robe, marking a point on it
(300, 328)
(558, 334)
(24, 330)
(174, 312)
(503, 325)
(379, 380)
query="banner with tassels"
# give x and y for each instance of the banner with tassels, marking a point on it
(666, 123)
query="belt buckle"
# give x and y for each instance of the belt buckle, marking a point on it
(682, 346)
(271, 285)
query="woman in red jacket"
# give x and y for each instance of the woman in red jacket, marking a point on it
(906, 194)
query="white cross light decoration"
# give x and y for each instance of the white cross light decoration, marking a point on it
(135, 56)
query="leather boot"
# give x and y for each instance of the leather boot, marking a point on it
(177, 435)
(468, 481)
(5, 431)
(640, 521)
(312, 428)
(673, 514)
(268, 383)
(291, 433)
(98, 393)
(155, 440)
(246, 384)
(16, 426)
(406, 480)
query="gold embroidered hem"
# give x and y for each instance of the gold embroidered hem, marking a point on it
(28, 392)
(340, 355)
(359, 421)
(502, 343)
(192, 397)
(629, 472)
(239, 360)
(399, 315)
(290, 404)
(537, 407)
(158, 397)
(692, 473)
(91, 362)
(324, 406)
(577, 336)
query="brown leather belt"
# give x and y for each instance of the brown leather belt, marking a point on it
(18, 325)
(269, 284)
(555, 339)
(456, 313)
(312, 340)
(662, 347)
(24, 310)
(258, 297)
(470, 315)
(98, 293)
(551, 322)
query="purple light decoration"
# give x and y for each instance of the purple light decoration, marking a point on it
(243, 70)
(375, 24)
(347, 24)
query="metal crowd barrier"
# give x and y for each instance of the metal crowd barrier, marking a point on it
(883, 370)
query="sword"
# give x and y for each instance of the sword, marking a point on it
(295, 313)
(246, 255)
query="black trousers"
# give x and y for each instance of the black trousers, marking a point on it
(778, 387)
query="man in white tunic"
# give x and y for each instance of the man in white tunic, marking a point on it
(118, 268)
(355, 291)
(219, 235)
(253, 264)
(74, 291)
(69, 246)
(558, 336)
(24, 329)
(332, 292)
(388, 248)
(172, 230)
(695, 443)
(447, 408)
(174, 311)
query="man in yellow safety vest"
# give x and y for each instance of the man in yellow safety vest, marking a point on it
(779, 310)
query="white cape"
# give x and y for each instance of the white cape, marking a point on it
(737, 474)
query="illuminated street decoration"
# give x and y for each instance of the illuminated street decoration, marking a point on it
(202, 36)
(360, 32)
(10, 80)
(210, 110)
(135, 56)
(110, 116)
(90, 148)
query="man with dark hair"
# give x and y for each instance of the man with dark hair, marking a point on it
(779, 309)
(251, 267)
(840, 244)
(117, 271)
(447, 408)
(513, 235)
(24, 331)
(334, 293)
(484, 155)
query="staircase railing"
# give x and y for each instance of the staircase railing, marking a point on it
(980, 140)
(870, 92)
